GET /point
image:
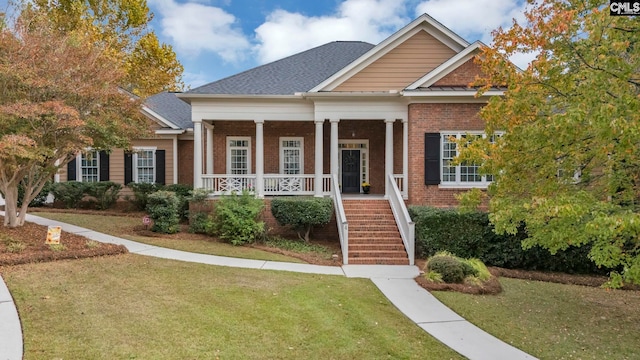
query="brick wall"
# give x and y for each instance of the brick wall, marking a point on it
(185, 162)
(464, 75)
(433, 118)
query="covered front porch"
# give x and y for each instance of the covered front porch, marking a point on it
(275, 157)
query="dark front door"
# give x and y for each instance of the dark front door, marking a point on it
(350, 171)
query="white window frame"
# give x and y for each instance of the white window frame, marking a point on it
(134, 163)
(229, 148)
(458, 183)
(282, 140)
(79, 167)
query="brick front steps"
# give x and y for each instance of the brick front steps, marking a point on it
(374, 238)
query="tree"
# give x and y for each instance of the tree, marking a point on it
(59, 95)
(568, 165)
(122, 25)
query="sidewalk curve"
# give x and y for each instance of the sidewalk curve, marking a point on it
(395, 282)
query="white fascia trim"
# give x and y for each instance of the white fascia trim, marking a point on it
(187, 96)
(158, 118)
(451, 93)
(350, 95)
(449, 38)
(170, 131)
(447, 67)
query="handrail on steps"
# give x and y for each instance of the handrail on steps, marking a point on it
(341, 218)
(405, 225)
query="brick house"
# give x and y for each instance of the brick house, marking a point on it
(359, 111)
(324, 121)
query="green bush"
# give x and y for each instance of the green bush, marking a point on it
(183, 192)
(200, 223)
(162, 207)
(302, 213)
(471, 235)
(200, 219)
(40, 199)
(236, 218)
(449, 267)
(105, 193)
(141, 192)
(70, 193)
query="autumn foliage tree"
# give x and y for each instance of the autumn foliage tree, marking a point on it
(568, 165)
(59, 95)
(122, 26)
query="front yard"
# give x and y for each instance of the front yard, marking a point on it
(130, 306)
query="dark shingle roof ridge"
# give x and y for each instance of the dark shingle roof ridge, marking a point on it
(294, 73)
(278, 60)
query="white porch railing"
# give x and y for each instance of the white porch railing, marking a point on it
(273, 184)
(341, 219)
(221, 184)
(399, 179)
(400, 213)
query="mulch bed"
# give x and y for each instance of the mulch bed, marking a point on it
(33, 237)
(75, 247)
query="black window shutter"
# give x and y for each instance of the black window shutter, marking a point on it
(71, 170)
(432, 158)
(160, 167)
(104, 166)
(128, 168)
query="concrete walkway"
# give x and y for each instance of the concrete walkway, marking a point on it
(395, 282)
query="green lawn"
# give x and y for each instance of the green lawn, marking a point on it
(554, 321)
(122, 226)
(136, 307)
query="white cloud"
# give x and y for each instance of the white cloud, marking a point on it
(194, 27)
(473, 19)
(285, 33)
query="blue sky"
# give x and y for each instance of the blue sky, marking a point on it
(218, 38)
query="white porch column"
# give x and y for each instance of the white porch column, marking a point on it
(197, 154)
(175, 159)
(405, 158)
(259, 158)
(319, 159)
(388, 154)
(209, 149)
(334, 146)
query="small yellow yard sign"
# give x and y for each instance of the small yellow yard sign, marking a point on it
(53, 235)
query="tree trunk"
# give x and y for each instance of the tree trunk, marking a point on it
(10, 206)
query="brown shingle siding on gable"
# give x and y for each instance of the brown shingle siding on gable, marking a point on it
(401, 66)
(462, 76)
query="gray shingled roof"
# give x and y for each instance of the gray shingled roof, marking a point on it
(167, 105)
(297, 73)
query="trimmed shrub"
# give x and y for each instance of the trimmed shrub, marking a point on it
(236, 218)
(302, 213)
(40, 199)
(200, 219)
(449, 267)
(162, 207)
(471, 235)
(70, 193)
(183, 192)
(141, 192)
(105, 193)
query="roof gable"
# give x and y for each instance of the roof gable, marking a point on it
(457, 71)
(401, 66)
(293, 74)
(424, 23)
(168, 111)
